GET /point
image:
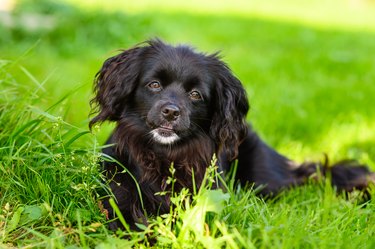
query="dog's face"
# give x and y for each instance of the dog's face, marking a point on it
(172, 94)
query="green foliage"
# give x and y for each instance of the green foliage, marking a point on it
(309, 74)
(47, 180)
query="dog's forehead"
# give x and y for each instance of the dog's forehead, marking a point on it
(180, 64)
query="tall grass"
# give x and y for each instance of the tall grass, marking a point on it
(49, 170)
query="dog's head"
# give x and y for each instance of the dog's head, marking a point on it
(173, 94)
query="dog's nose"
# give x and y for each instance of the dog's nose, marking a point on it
(170, 112)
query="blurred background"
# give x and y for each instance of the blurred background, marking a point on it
(308, 65)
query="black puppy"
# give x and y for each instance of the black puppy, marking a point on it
(175, 105)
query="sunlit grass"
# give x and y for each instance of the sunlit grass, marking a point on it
(343, 140)
(342, 14)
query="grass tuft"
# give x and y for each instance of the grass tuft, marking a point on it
(49, 171)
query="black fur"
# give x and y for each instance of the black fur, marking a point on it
(175, 105)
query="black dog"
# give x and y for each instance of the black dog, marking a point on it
(175, 105)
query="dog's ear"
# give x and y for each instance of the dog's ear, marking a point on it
(114, 83)
(229, 125)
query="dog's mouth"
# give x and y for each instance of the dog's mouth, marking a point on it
(165, 134)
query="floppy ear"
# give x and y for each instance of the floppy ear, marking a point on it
(229, 125)
(113, 85)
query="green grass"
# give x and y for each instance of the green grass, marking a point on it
(309, 71)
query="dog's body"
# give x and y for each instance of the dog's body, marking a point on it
(174, 105)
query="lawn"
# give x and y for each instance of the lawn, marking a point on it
(309, 70)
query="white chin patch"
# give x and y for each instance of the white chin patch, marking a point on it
(163, 137)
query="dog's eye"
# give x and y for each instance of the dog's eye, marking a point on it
(155, 86)
(195, 95)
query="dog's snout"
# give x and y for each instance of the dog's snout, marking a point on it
(170, 112)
